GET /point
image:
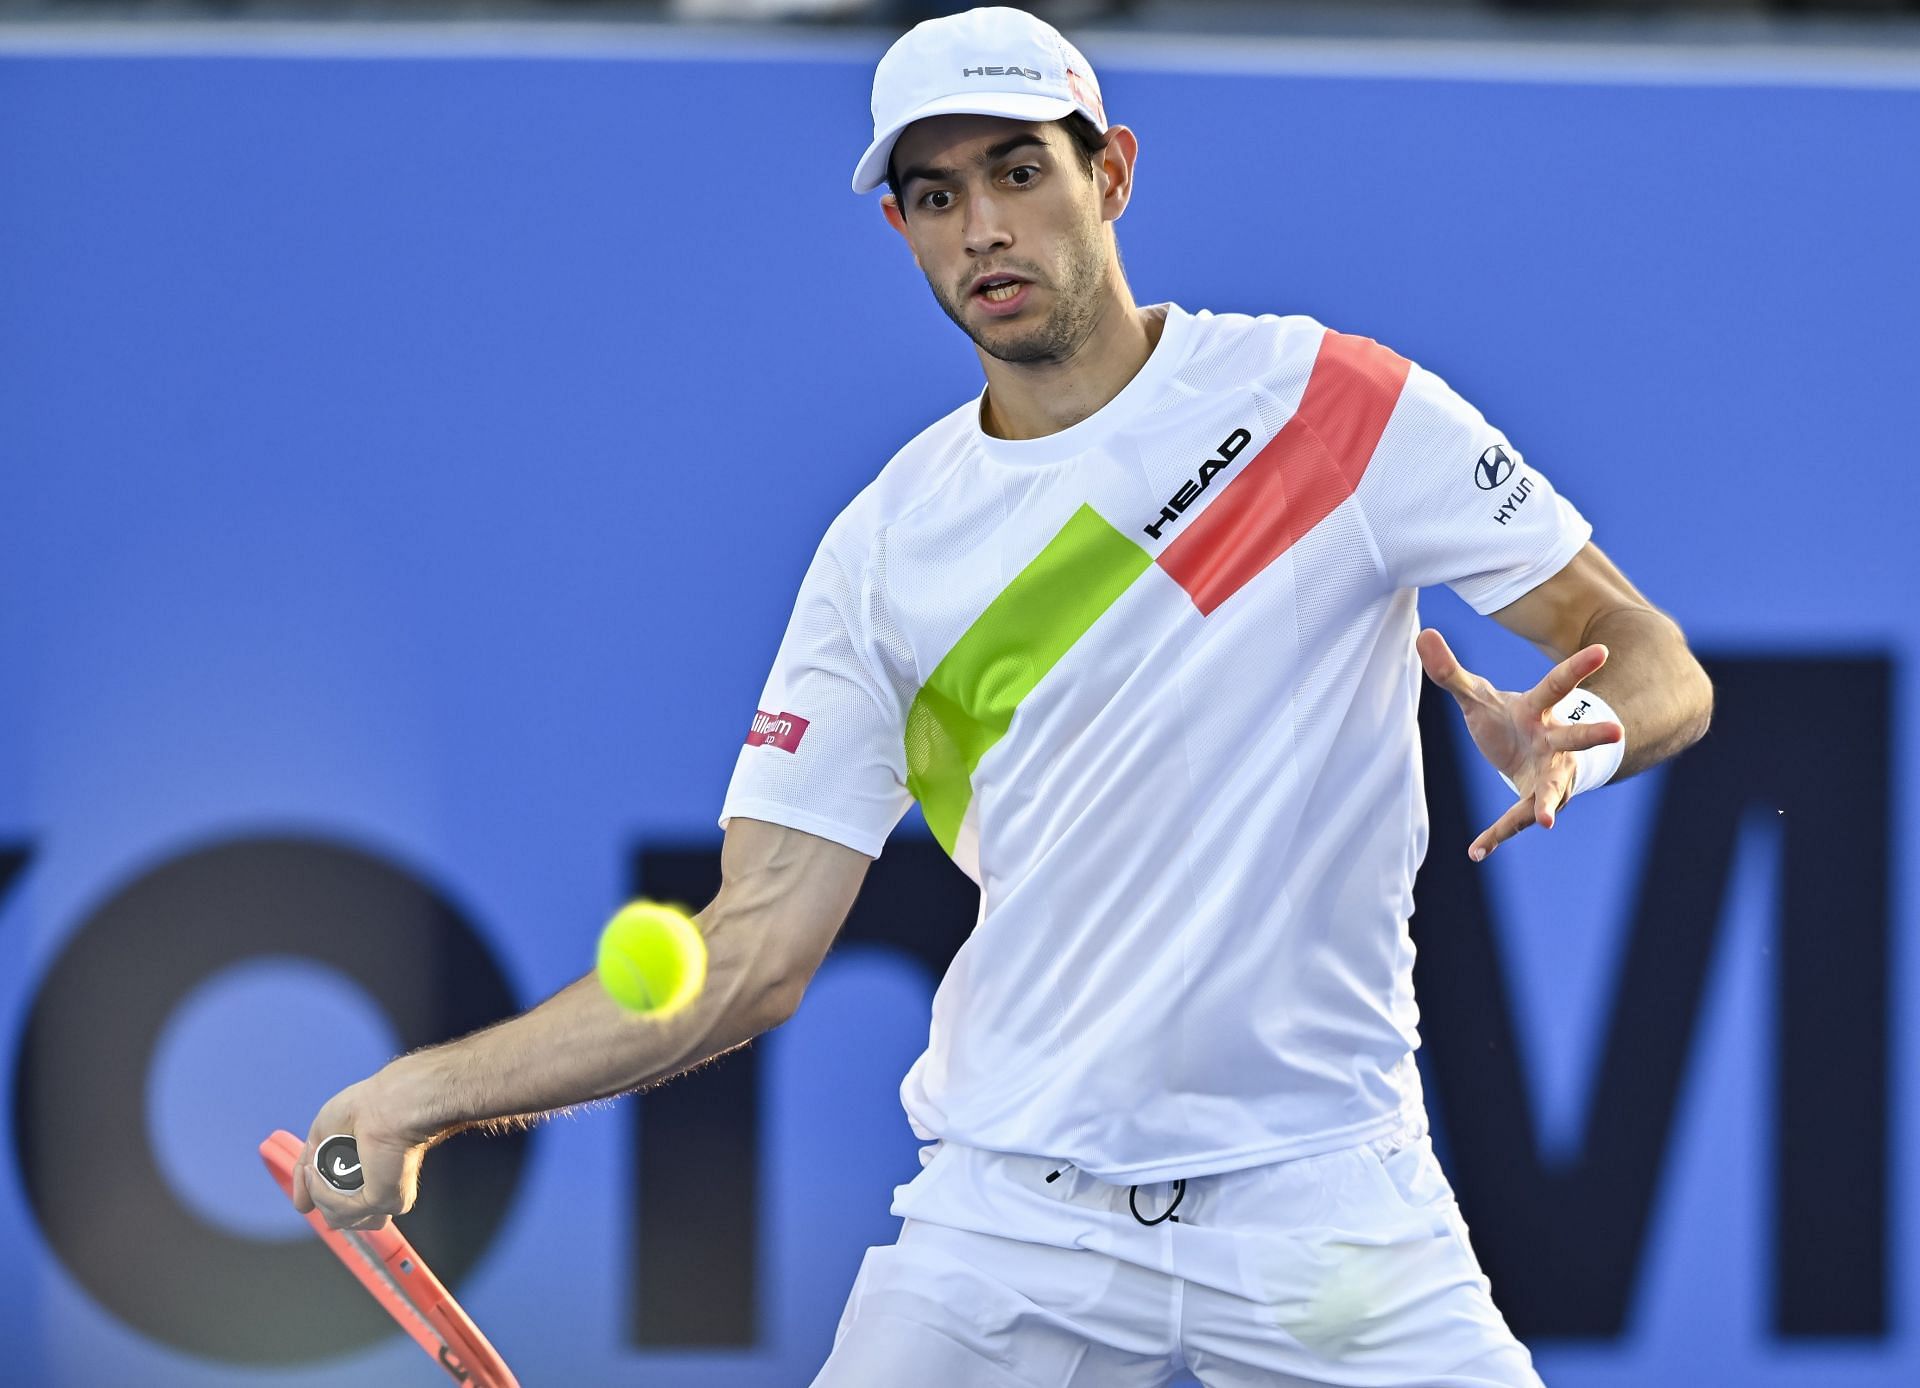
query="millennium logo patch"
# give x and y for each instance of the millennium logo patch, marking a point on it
(782, 730)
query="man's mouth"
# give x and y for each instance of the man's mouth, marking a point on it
(997, 289)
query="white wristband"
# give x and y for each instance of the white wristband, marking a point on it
(1593, 766)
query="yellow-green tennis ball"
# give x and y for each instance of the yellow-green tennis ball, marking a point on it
(652, 958)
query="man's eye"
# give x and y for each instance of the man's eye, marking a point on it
(1032, 171)
(928, 199)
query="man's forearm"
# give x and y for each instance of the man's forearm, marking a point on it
(1662, 696)
(580, 1045)
(783, 894)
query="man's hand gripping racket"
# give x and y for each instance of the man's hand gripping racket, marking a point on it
(388, 1267)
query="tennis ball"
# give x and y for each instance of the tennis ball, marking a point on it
(652, 958)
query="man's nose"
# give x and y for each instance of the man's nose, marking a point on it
(985, 231)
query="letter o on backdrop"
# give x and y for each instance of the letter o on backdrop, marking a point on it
(80, 1131)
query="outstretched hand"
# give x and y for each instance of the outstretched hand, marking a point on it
(1519, 733)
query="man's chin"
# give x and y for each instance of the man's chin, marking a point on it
(1016, 342)
(1027, 353)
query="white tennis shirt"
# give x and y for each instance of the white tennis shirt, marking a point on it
(1152, 680)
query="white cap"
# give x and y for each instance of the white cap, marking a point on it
(995, 61)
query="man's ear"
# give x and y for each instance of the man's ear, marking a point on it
(1116, 167)
(890, 208)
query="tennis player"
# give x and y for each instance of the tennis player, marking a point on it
(1137, 628)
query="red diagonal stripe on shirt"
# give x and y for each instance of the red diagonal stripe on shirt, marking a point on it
(1308, 468)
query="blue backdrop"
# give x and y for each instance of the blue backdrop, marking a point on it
(414, 458)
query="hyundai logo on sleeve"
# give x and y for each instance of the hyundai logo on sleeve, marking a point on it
(1493, 469)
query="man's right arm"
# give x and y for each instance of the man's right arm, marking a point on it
(782, 899)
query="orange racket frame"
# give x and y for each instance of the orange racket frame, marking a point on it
(405, 1286)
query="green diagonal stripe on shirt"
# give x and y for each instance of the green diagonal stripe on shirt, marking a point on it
(968, 702)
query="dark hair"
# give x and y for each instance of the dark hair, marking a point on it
(1085, 134)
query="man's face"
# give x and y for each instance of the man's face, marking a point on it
(1006, 224)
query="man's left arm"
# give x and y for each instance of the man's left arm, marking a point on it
(1607, 639)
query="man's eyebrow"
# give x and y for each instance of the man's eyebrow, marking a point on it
(986, 156)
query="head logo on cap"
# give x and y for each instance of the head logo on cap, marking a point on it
(994, 61)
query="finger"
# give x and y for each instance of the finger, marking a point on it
(1577, 737)
(302, 1201)
(1444, 668)
(1557, 784)
(355, 1216)
(1565, 677)
(1502, 829)
(341, 1209)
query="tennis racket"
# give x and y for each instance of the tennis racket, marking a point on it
(388, 1267)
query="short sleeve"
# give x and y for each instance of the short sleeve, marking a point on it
(825, 752)
(1450, 501)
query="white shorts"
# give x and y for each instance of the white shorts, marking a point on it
(1352, 1267)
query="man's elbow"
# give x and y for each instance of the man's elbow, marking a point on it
(1699, 701)
(1690, 697)
(777, 979)
(763, 995)
(779, 1002)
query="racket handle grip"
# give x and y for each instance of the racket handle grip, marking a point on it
(337, 1159)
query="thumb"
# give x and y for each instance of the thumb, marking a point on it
(302, 1201)
(1443, 667)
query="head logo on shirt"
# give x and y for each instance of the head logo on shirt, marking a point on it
(1493, 469)
(782, 730)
